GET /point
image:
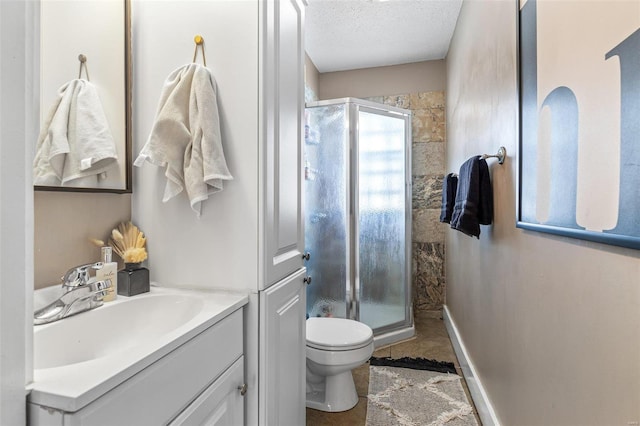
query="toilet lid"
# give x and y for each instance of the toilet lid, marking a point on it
(337, 334)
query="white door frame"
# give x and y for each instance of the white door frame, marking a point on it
(19, 111)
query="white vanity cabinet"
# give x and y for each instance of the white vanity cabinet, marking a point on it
(200, 382)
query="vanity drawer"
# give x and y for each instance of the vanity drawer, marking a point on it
(221, 404)
(161, 391)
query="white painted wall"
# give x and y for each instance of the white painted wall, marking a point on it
(18, 127)
(551, 324)
(219, 249)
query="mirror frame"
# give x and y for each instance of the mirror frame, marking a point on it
(128, 72)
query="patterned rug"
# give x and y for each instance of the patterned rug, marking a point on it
(409, 397)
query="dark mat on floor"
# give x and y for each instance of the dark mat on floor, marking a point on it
(415, 363)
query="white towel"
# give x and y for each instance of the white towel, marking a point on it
(75, 140)
(185, 137)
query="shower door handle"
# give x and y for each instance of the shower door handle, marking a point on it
(307, 280)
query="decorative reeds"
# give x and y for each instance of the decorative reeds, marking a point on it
(128, 242)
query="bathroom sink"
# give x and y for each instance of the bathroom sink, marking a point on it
(79, 358)
(111, 328)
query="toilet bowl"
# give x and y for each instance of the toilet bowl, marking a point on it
(335, 346)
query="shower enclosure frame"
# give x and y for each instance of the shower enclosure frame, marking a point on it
(398, 330)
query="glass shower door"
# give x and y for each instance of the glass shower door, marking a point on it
(382, 269)
(326, 210)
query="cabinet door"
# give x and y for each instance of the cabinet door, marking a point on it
(282, 372)
(220, 404)
(283, 114)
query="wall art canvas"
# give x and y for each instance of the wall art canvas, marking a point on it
(579, 159)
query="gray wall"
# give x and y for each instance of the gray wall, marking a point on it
(551, 324)
(427, 76)
(311, 75)
(64, 222)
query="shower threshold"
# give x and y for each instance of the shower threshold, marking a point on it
(394, 336)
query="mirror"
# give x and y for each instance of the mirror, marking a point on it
(85, 108)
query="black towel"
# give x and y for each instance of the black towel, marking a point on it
(449, 186)
(474, 198)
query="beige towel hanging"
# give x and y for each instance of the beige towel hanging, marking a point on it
(185, 137)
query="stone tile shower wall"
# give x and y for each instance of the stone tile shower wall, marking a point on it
(428, 169)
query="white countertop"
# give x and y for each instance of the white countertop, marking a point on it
(71, 387)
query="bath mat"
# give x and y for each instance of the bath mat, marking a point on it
(415, 363)
(409, 397)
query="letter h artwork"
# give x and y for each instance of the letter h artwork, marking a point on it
(579, 159)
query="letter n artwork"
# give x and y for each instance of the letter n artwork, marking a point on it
(579, 160)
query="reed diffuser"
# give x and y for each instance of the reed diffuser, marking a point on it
(128, 243)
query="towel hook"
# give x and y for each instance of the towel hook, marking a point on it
(502, 153)
(199, 42)
(83, 61)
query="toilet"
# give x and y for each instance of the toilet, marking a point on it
(335, 346)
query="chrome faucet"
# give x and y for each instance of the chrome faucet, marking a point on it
(81, 293)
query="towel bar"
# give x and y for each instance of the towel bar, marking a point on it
(501, 155)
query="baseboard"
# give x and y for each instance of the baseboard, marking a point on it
(478, 394)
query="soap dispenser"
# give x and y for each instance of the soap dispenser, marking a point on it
(109, 271)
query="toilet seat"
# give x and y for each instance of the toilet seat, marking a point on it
(337, 334)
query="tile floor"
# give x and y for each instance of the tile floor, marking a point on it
(431, 341)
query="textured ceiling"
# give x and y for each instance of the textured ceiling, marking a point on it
(351, 34)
